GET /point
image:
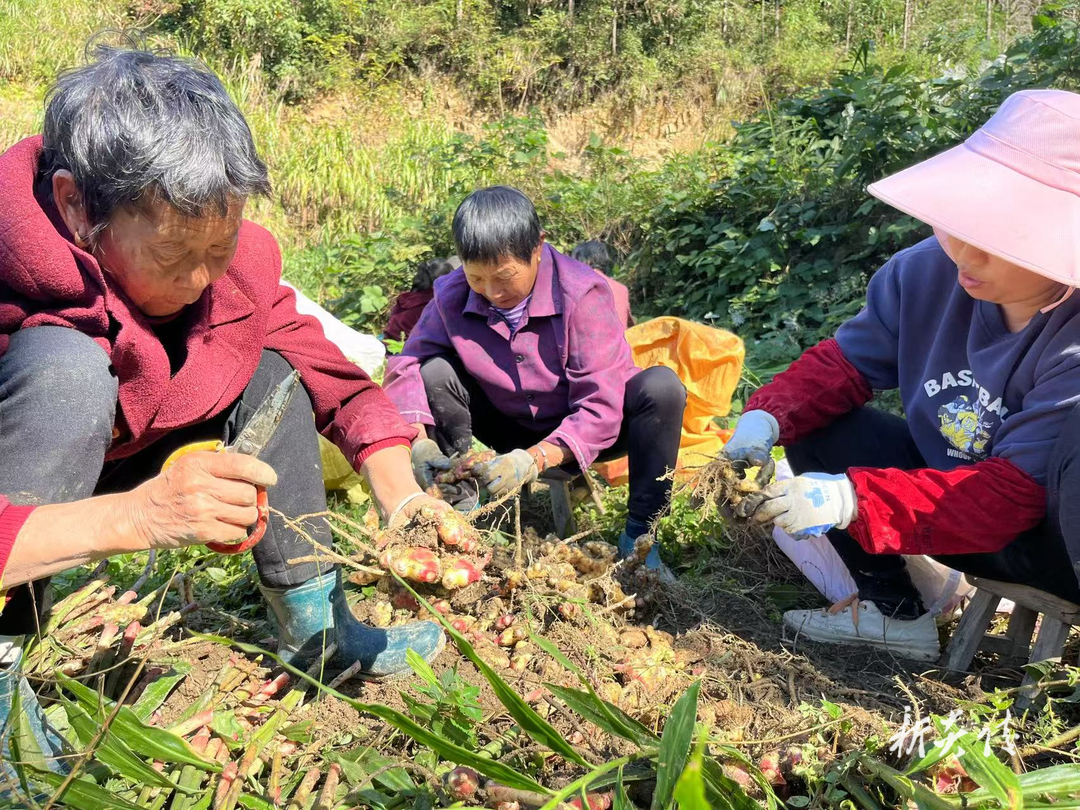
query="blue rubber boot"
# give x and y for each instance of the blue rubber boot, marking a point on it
(311, 616)
(629, 537)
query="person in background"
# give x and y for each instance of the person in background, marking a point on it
(522, 348)
(978, 328)
(598, 257)
(408, 306)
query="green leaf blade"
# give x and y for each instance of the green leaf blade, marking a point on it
(532, 723)
(591, 707)
(22, 743)
(583, 783)
(628, 728)
(447, 750)
(154, 743)
(725, 793)
(989, 772)
(159, 689)
(113, 752)
(81, 794)
(675, 746)
(690, 789)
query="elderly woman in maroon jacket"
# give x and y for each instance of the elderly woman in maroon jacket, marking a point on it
(140, 311)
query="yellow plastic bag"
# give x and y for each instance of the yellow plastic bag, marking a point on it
(338, 473)
(709, 362)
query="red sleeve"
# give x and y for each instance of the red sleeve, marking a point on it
(977, 508)
(12, 519)
(350, 410)
(816, 389)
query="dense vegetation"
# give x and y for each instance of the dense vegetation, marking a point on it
(563, 53)
(782, 246)
(769, 233)
(377, 116)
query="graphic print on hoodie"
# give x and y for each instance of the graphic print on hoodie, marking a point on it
(970, 388)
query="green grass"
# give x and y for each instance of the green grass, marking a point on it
(399, 140)
(39, 39)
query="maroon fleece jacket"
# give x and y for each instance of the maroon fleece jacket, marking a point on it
(406, 312)
(46, 280)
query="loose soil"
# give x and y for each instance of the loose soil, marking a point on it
(720, 625)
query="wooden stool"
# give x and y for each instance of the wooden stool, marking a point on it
(562, 486)
(1058, 616)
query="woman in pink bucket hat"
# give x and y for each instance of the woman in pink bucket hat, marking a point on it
(978, 329)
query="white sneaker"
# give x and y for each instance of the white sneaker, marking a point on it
(855, 622)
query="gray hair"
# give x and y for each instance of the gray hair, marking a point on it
(134, 125)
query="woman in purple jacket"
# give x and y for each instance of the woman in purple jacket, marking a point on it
(522, 348)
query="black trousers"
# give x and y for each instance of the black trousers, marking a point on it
(1038, 558)
(57, 410)
(650, 433)
(293, 452)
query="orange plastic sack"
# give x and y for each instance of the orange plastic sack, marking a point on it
(709, 362)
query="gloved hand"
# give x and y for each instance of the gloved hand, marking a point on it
(427, 461)
(752, 442)
(805, 506)
(503, 473)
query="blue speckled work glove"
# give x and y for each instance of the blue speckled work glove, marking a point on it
(752, 442)
(805, 506)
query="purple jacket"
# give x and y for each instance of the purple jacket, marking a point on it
(564, 371)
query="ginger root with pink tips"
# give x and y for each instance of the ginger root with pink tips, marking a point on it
(416, 564)
(459, 572)
(453, 530)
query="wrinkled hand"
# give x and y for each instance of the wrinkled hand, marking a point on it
(204, 497)
(427, 461)
(505, 472)
(805, 506)
(752, 442)
(413, 507)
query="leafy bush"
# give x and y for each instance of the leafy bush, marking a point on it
(603, 198)
(301, 44)
(771, 234)
(781, 248)
(451, 709)
(355, 276)
(508, 54)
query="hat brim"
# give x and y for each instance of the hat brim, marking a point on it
(992, 207)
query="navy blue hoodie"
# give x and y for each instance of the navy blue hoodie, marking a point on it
(971, 389)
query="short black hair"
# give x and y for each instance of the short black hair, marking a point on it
(595, 254)
(496, 222)
(427, 272)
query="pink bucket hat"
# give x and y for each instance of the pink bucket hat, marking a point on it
(1011, 189)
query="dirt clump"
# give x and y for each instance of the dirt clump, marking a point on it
(730, 488)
